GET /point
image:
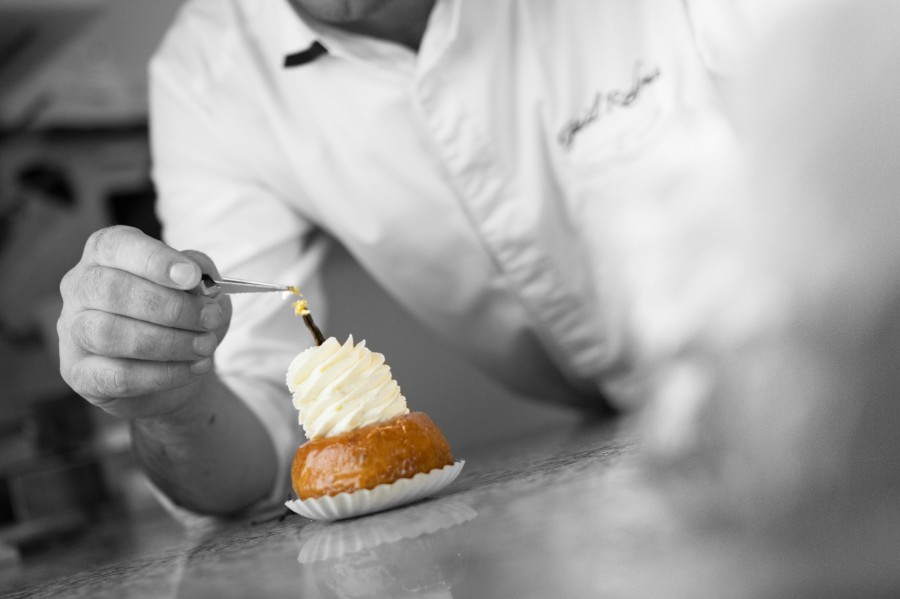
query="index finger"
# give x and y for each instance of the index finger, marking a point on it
(129, 249)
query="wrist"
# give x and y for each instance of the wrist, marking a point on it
(179, 408)
(210, 454)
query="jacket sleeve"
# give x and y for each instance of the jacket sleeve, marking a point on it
(212, 198)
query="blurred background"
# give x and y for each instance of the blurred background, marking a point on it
(74, 158)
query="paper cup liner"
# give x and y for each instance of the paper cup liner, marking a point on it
(382, 497)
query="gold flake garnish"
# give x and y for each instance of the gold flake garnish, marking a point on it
(301, 307)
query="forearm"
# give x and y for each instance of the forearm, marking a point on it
(212, 456)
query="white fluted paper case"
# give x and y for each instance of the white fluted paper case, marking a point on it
(382, 497)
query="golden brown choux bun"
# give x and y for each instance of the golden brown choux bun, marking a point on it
(369, 456)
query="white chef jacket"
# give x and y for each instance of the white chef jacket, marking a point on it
(480, 180)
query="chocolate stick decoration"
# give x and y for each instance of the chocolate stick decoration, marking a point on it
(311, 325)
(301, 308)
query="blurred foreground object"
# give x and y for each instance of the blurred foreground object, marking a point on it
(788, 423)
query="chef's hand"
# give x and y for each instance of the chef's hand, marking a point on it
(133, 339)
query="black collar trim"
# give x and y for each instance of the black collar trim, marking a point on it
(298, 59)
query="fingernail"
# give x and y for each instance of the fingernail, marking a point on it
(211, 316)
(183, 274)
(201, 366)
(205, 344)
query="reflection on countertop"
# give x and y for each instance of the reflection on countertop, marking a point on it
(418, 552)
(566, 512)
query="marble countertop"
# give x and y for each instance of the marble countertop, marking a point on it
(565, 512)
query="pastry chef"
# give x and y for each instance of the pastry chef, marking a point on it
(493, 164)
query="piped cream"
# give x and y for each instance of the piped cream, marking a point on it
(341, 387)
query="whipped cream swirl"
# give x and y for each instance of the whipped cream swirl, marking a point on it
(339, 388)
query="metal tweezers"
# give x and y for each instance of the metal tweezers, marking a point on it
(212, 287)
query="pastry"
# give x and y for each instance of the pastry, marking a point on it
(360, 432)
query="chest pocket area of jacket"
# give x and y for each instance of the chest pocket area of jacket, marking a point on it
(618, 124)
